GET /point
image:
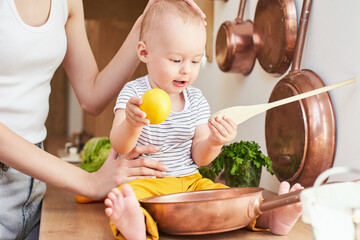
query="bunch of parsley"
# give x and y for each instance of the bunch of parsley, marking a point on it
(235, 159)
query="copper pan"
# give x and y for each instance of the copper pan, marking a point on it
(212, 211)
(234, 45)
(275, 30)
(300, 136)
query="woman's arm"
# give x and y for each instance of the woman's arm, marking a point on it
(95, 89)
(22, 155)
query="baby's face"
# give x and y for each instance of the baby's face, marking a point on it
(175, 51)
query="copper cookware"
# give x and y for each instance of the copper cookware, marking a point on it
(275, 30)
(301, 136)
(212, 211)
(234, 45)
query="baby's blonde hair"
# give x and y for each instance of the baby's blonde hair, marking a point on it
(162, 11)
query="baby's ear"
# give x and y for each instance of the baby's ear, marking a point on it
(142, 51)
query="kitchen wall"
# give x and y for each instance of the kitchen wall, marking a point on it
(332, 50)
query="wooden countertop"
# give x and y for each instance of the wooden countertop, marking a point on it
(63, 218)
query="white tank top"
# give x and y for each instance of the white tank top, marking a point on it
(29, 57)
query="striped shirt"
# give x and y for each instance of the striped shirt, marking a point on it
(174, 136)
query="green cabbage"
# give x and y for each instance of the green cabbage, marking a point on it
(95, 152)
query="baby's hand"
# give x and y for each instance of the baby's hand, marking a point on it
(223, 130)
(133, 113)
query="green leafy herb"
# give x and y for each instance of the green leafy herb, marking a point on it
(237, 159)
(207, 173)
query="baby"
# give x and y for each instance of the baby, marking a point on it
(172, 52)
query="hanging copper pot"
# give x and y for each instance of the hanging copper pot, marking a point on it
(300, 136)
(234, 45)
(275, 30)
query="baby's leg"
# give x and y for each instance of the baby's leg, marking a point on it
(124, 211)
(281, 220)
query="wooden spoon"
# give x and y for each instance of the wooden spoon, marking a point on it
(240, 114)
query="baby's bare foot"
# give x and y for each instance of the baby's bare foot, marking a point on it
(124, 211)
(281, 220)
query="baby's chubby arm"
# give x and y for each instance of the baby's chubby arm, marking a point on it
(127, 126)
(209, 139)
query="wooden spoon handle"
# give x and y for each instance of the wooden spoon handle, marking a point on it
(309, 94)
(241, 113)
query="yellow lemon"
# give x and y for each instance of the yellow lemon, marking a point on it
(156, 104)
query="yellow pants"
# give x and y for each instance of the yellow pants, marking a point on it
(148, 187)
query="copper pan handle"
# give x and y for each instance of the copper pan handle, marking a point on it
(280, 201)
(240, 16)
(294, 197)
(300, 40)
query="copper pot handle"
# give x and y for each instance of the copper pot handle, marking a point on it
(280, 201)
(294, 197)
(240, 16)
(300, 40)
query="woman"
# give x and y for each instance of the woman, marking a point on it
(35, 38)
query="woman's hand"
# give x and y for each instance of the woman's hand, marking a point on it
(190, 2)
(128, 167)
